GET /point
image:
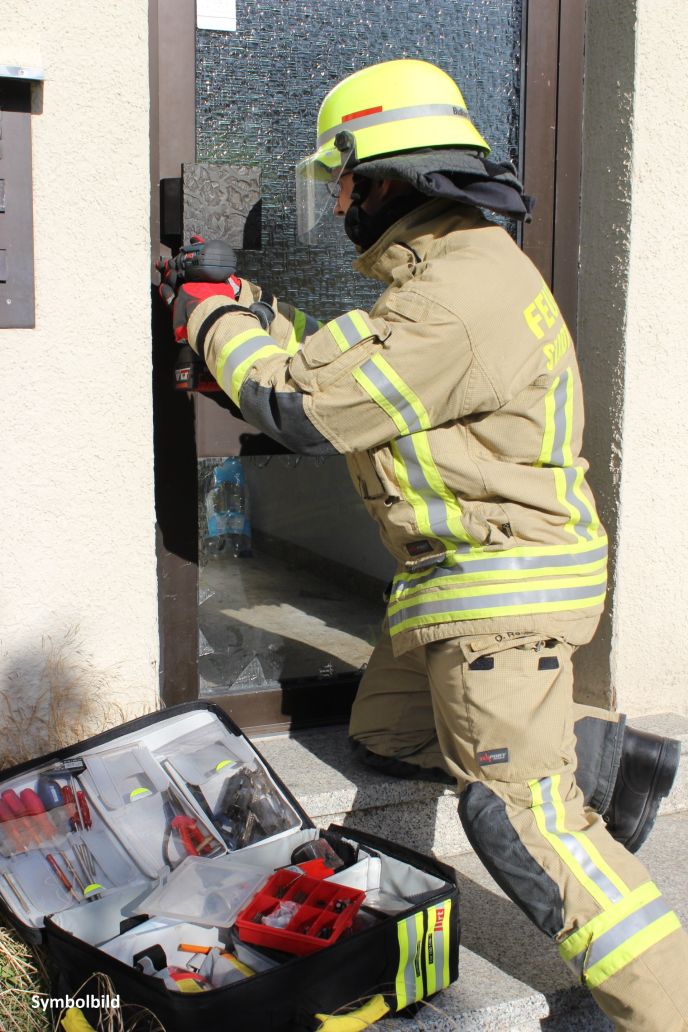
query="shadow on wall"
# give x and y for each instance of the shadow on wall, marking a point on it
(53, 696)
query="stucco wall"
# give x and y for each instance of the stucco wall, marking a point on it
(650, 648)
(77, 464)
(606, 214)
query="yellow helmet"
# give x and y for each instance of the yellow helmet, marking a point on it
(389, 108)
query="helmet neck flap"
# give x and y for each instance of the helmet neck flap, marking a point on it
(458, 175)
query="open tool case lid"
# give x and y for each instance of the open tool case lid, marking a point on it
(127, 807)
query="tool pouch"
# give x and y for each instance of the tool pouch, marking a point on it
(159, 855)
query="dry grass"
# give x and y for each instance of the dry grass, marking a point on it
(59, 699)
(63, 699)
(21, 974)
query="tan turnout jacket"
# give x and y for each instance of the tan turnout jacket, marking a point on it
(457, 401)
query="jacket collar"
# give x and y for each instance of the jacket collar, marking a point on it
(416, 237)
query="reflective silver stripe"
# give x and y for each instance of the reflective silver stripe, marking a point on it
(606, 943)
(437, 510)
(583, 525)
(240, 355)
(496, 562)
(394, 115)
(560, 393)
(347, 328)
(573, 845)
(438, 946)
(460, 603)
(390, 392)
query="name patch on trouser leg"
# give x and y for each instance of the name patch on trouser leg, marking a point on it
(489, 756)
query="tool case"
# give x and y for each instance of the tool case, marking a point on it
(167, 855)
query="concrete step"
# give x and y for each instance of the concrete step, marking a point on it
(318, 767)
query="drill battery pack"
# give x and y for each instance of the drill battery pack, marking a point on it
(169, 857)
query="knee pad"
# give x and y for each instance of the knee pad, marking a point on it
(494, 839)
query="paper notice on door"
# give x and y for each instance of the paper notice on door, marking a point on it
(216, 14)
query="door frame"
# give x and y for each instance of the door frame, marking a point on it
(551, 117)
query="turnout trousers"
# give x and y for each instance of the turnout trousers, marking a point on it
(497, 713)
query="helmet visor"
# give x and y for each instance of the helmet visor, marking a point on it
(317, 189)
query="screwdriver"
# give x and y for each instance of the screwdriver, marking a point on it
(59, 873)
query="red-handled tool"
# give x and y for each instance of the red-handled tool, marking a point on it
(14, 829)
(59, 873)
(193, 840)
(36, 811)
(72, 809)
(84, 811)
(19, 816)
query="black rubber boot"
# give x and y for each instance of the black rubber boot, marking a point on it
(396, 768)
(646, 773)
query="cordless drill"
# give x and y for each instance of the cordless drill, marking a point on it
(211, 261)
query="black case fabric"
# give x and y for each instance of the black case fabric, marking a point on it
(285, 998)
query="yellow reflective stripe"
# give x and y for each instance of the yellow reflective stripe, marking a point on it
(409, 980)
(545, 455)
(497, 577)
(241, 370)
(400, 983)
(349, 329)
(572, 548)
(584, 841)
(431, 473)
(516, 609)
(292, 345)
(580, 939)
(562, 497)
(560, 849)
(589, 507)
(233, 344)
(418, 959)
(631, 949)
(430, 593)
(299, 323)
(378, 397)
(568, 416)
(406, 392)
(415, 500)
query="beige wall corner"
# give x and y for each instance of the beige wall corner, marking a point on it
(650, 656)
(78, 565)
(606, 211)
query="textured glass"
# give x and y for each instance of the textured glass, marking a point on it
(259, 90)
(289, 611)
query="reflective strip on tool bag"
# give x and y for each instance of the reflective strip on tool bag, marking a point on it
(619, 935)
(436, 947)
(409, 980)
(575, 849)
(239, 354)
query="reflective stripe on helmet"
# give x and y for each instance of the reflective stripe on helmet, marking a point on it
(365, 121)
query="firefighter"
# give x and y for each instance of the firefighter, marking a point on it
(457, 401)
